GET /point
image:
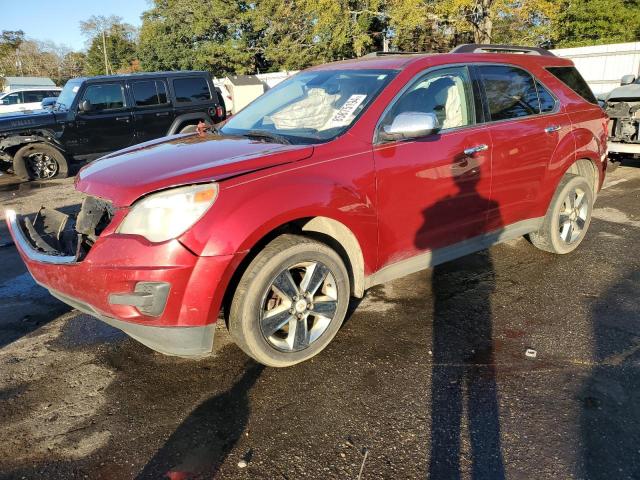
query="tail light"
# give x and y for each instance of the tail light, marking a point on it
(219, 112)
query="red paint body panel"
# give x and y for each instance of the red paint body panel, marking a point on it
(398, 199)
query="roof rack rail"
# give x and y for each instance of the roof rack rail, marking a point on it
(382, 54)
(489, 48)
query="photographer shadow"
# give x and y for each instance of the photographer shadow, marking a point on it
(463, 368)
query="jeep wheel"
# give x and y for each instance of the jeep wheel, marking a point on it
(568, 217)
(39, 161)
(290, 301)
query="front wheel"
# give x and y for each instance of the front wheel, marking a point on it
(290, 301)
(567, 218)
(39, 161)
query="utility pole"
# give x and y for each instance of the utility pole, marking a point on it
(104, 50)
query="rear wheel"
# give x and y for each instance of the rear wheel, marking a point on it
(567, 218)
(290, 302)
(39, 161)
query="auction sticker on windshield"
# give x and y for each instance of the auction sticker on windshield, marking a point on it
(343, 116)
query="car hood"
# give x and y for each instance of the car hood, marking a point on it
(28, 118)
(626, 92)
(124, 176)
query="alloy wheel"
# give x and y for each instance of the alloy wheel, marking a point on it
(298, 306)
(41, 165)
(573, 215)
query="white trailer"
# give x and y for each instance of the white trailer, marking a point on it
(602, 66)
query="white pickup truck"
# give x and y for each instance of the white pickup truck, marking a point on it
(622, 105)
(26, 98)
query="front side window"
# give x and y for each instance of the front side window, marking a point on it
(572, 79)
(311, 107)
(192, 89)
(12, 99)
(105, 96)
(446, 93)
(149, 92)
(511, 92)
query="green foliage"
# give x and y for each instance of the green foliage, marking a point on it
(589, 22)
(121, 51)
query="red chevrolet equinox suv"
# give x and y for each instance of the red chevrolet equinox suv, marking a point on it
(345, 176)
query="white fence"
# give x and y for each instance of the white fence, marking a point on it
(602, 66)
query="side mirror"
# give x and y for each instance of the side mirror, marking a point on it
(85, 106)
(410, 125)
(48, 102)
(627, 79)
(601, 103)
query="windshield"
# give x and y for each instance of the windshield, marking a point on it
(68, 93)
(311, 107)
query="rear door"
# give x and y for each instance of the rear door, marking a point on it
(526, 126)
(153, 112)
(108, 126)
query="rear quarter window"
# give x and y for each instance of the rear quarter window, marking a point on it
(572, 79)
(191, 89)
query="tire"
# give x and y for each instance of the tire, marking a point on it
(189, 129)
(257, 309)
(558, 232)
(40, 161)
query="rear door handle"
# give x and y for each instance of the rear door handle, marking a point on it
(122, 119)
(162, 114)
(473, 150)
(552, 128)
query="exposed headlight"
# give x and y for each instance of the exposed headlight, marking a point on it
(165, 215)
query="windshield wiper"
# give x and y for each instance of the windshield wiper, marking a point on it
(266, 135)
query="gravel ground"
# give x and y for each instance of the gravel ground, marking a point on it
(428, 377)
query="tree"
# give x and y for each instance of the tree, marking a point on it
(588, 22)
(183, 34)
(112, 44)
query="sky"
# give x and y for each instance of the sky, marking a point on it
(40, 21)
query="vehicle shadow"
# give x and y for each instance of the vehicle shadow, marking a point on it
(463, 368)
(200, 445)
(609, 414)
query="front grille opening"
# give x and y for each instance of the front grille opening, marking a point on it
(72, 232)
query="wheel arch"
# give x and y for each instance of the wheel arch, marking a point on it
(187, 118)
(330, 231)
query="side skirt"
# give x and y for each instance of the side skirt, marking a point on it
(457, 250)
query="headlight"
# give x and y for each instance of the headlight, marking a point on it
(165, 215)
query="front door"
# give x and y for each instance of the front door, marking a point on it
(433, 191)
(526, 127)
(107, 125)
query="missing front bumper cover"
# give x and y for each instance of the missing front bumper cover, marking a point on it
(56, 233)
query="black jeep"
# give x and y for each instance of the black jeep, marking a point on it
(97, 115)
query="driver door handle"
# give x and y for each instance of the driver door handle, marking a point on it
(552, 128)
(473, 150)
(122, 119)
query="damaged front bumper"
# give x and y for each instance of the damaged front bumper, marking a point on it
(162, 295)
(624, 126)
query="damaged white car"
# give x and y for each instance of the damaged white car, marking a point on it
(623, 108)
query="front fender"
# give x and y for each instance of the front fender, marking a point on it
(247, 211)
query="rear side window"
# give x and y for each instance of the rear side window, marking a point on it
(105, 96)
(572, 79)
(192, 89)
(511, 92)
(547, 101)
(149, 92)
(34, 96)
